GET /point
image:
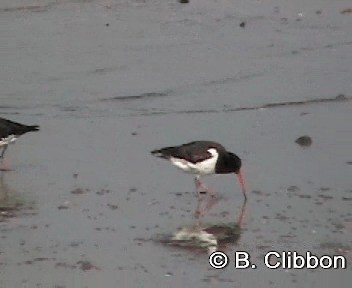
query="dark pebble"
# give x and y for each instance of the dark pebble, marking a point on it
(304, 141)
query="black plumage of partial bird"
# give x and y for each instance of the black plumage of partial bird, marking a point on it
(10, 131)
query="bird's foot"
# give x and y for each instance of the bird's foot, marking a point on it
(202, 188)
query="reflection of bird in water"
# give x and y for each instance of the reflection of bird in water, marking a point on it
(9, 200)
(4, 196)
(9, 132)
(204, 205)
(3, 190)
(209, 237)
(203, 158)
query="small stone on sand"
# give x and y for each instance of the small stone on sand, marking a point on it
(304, 141)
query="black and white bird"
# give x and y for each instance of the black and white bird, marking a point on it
(203, 158)
(9, 132)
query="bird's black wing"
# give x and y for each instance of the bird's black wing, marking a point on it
(193, 152)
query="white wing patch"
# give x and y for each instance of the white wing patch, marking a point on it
(202, 168)
(7, 140)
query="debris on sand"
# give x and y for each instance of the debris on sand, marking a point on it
(112, 206)
(78, 191)
(86, 266)
(304, 141)
(293, 189)
(64, 206)
(243, 24)
(346, 11)
(183, 1)
(103, 191)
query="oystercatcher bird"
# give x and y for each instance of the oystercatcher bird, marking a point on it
(203, 158)
(9, 132)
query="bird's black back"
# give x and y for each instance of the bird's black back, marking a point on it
(193, 152)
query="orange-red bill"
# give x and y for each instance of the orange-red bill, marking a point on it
(242, 182)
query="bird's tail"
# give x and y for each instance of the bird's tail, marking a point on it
(164, 153)
(20, 130)
(157, 153)
(32, 128)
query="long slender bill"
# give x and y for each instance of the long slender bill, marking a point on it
(242, 183)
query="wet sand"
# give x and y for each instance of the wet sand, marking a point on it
(86, 205)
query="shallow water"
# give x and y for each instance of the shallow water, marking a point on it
(86, 204)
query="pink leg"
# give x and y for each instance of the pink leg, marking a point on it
(242, 214)
(198, 184)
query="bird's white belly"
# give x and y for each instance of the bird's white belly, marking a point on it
(201, 168)
(7, 140)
